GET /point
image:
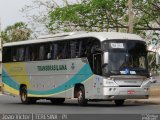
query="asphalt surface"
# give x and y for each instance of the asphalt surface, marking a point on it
(9, 104)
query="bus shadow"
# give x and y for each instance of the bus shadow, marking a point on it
(74, 103)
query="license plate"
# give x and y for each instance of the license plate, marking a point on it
(131, 92)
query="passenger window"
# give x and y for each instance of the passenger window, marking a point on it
(6, 54)
(48, 51)
(75, 48)
(59, 50)
(55, 50)
(14, 54)
(33, 50)
(27, 54)
(41, 52)
(20, 54)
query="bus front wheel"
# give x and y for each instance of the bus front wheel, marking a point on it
(81, 96)
(119, 102)
(24, 98)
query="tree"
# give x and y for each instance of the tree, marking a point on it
(105, 15)
(95, 15)
(17, 32)
(37, 14)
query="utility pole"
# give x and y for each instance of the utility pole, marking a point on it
(130, 16)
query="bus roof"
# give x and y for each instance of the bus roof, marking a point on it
(72, 35)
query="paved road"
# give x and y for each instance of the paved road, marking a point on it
(10, 104)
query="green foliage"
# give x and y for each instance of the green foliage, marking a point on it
(152, 61)
(147, 13)
(103, 15)
(17, 32)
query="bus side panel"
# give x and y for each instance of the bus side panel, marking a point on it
(45, 78)
(13, 75)
(93, 87)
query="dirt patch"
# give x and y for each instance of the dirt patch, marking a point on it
(154, 92)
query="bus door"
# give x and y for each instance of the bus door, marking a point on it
(97, 68)
(97, 63)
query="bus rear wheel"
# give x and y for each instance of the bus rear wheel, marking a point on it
(119, 102)
(24, 97)
(57, 100)
(81, 96)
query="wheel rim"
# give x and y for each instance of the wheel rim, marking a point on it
(80, 96)
(23, 96)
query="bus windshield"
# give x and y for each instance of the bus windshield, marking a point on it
(126, 57)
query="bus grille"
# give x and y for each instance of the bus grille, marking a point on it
(129, 85)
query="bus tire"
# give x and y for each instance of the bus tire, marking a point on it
(81, 96)
(24, 97)
(57, 100)
(119, 102)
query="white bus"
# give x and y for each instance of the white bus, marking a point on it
(93, 66)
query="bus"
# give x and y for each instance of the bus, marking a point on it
(86, 66)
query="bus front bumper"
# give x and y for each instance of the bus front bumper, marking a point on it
(114, 93)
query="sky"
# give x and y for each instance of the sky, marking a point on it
(10, 11)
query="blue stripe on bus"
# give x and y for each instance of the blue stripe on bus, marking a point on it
(80, 77)
(9, 81)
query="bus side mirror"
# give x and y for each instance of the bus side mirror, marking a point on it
(157, 58)
(105, 58)
(152, 80)
(97, 50)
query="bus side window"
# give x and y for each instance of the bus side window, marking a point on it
(20, 54)
(6, 54)
(60, 50)
(72, 48)
(27, 55)
(84, 48)
(60, 55)
(14, 54)
(41, 52)
(33, 50)
(48, 51)
(33, 56)
(52, 51)
(75, 48)
(55, 50)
